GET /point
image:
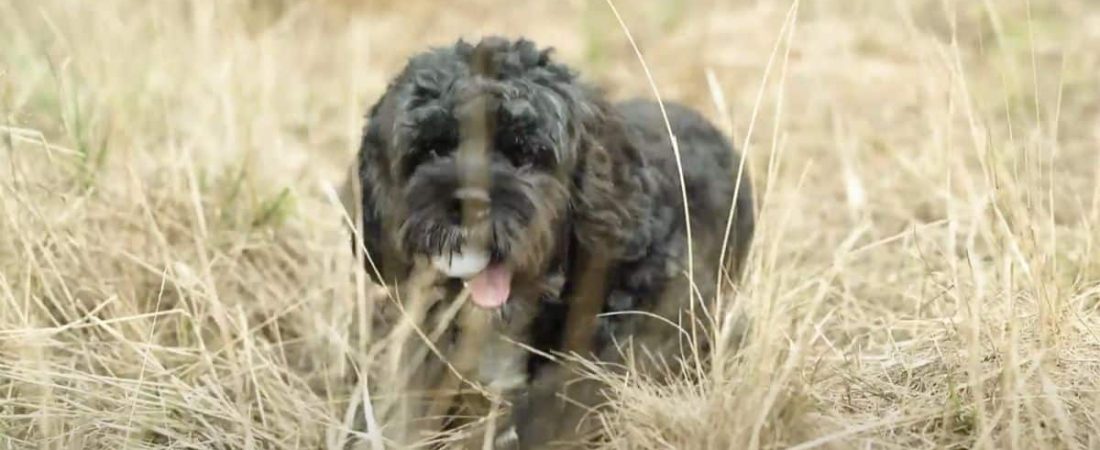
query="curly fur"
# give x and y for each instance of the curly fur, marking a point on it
(585, 204)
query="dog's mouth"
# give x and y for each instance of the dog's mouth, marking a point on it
(489, 281)
(484, 237)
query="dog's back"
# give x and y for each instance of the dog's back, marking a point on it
(710, 167)
(648, 293)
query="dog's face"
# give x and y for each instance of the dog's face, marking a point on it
(468, 161)
(482, 169)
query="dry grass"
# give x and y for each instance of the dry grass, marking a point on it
(926, 273)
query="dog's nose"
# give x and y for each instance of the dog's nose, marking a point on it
(473, 203)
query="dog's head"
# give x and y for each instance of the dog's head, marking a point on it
(487, 160)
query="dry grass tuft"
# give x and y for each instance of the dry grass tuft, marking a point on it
(172, 273)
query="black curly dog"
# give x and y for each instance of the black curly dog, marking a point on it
(496, 150)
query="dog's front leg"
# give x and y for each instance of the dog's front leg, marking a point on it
(556, 411)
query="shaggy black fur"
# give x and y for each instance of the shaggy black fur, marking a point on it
(584, 202)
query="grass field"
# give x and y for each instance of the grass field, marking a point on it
(173, 272)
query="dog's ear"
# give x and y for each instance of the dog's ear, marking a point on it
(613, 188)
(383, 262)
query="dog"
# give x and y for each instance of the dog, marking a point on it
(558, 214)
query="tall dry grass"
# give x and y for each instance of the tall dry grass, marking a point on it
(173, 274)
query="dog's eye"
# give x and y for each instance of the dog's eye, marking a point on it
(529, 154)
(538, 156)
(421, 156)
(437, 151)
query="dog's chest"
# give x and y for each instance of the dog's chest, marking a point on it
(490, 347)
(494, 343)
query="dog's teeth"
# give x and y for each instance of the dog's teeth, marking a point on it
(463, 264)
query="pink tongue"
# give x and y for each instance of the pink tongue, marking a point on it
(490, 287)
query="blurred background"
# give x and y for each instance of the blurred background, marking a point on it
(173, 270)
